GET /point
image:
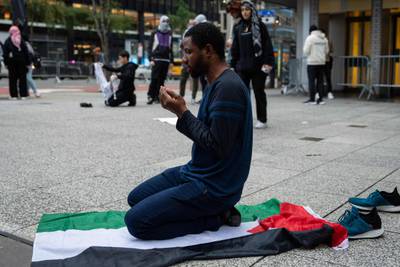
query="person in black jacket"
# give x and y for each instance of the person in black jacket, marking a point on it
(253, 57)
(160, 56)
(17, 60)
(126, 76)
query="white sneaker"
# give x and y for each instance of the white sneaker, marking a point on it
(330, 96)
(37, 94)
(260, 125)
(316, 97)
(13, 98)
(193, 101)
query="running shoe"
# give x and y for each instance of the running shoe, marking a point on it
(383, 201)
(361, 225)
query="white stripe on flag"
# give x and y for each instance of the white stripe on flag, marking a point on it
(66, 244)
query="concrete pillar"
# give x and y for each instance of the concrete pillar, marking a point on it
(376, 37)
(314, 12)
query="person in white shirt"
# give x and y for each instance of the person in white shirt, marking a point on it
(316, 49)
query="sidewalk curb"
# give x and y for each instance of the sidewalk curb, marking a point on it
(16, 238)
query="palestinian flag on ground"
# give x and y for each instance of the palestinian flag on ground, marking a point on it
(101, 238)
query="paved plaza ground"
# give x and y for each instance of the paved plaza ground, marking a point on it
(58, 157)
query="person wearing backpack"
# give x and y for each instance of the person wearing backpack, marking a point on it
(29, 79)
(160, 56)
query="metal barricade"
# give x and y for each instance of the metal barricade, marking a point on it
(389, 72)
(297, 69)
(47, 70)
(355, 72)
(74, 70)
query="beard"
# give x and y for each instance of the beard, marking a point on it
(199, 69)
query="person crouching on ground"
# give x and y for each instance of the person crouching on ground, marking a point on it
(126, 76)
(200, 195)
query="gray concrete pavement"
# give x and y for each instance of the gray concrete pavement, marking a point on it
(14, 253)
(58, 157)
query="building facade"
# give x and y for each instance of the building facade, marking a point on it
(56, 43)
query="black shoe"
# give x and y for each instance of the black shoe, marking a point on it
(86, 105)
(231, 217)
(132, 102)
(320, 101)
(150, 100)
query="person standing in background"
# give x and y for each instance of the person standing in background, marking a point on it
(328, 69)
(160, 56)
(140, 53)
(316, 50)
(29, 79)
(17, 60)
(253, 56)
(185, 73)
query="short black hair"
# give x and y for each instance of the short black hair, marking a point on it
(313, 28)
(207, 33)
(124, 53)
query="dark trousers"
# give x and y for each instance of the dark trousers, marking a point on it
(159, 74)
(17, 80)
(120, 98)
(182, 84)
(258, 81)
(315, 80)
(328, 78)
(168, 206)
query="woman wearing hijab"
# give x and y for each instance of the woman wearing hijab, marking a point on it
(252, 56)
(160, 56)
(17, 60)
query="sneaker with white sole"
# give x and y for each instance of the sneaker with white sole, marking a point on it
(260, 125)
(361, 225)
(320, 102)
(316, 96)
(381, 200)
(330, 96)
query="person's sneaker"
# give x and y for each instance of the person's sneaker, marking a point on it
(260, 125)
(37, 94)
(362, 225)
(150, 100)
(330, 96)
(310, 102)
(193, 101)
(381, 200)
(13, 98)
(231, 217)
(320, 102)
(317, 96)
(24, 98)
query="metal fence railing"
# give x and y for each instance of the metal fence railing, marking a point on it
(350, 71)
(389, 72)
(64, 69)
(297, 68)
(357, 73)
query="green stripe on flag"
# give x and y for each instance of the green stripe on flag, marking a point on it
(115, 219)
(260, 211)
(81, 221)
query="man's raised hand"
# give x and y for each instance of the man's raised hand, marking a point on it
(172, 101)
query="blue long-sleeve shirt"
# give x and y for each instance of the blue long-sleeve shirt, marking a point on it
(223, 137)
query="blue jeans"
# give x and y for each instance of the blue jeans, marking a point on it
(168, 206)
(30, 81)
